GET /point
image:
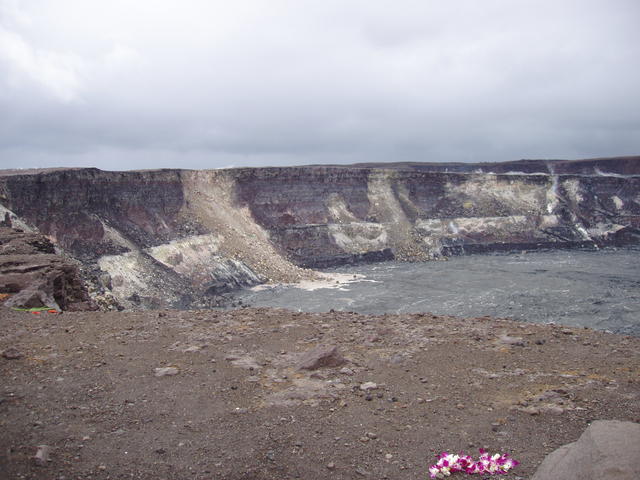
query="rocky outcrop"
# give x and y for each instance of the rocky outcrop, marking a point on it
(181, 238)
(33, 276)
(607, 449)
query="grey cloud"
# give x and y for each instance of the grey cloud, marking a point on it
(210, 84)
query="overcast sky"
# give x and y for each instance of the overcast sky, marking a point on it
(124, 84)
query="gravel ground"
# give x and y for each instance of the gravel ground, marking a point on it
(209, 394)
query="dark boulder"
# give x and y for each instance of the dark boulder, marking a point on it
(319, 357)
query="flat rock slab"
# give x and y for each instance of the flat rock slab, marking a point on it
(607, 449)
(321, 356)
(166, 371)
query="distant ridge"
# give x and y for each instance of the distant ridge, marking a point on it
(629, 165)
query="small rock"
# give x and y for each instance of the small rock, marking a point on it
(247, 362)
(371, 435)
(515, 341)
(366, 386)
(555, 409)
(164, 371)
(12, 353)
(43, 455)
(530, 410)
(319, 357)
(346, 371)
(331, 466)
(460, 406)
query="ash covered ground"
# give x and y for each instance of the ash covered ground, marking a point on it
(206, 394)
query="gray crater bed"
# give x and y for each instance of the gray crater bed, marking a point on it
(597, 289)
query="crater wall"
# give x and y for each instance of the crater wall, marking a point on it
(164, 238)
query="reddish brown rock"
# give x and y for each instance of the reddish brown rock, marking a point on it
(36, 277)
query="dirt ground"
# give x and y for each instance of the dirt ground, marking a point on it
(219, 395)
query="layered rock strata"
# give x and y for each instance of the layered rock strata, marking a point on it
(32, 275)
(182, 237)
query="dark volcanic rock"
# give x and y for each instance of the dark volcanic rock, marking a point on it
(319, 357)
(76, 205)
(36, 277)
(12, 353)
(15, 242)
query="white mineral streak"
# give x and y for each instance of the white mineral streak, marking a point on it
(359, 237)
(129, 273)
(197, 259)
(331, 280)
(489, 190)
(338, 209)
(495, 226)
(618, 202)
(552, 195)
(572, 187)
(187, 254)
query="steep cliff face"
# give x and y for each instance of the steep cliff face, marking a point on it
(321, 215)
(179, 237)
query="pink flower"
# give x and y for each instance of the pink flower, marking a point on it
(486, 464)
